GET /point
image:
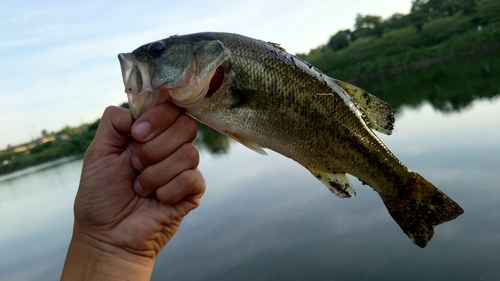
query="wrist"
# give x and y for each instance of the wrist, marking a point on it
(91, 259)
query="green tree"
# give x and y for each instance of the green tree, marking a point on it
(368, 25)
(418, 13)
(488, 11)
(423, 11)
(452, 7)
(396, 21)
(340, 40)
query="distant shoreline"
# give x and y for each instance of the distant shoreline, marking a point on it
(39, 167)
(49, 148)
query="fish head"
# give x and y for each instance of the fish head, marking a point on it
(173, 69)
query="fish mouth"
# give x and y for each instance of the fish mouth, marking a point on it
(187, 91)
(137, 81)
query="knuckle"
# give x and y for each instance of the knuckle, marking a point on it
(160, 116)
(189, 125)
(167, 113)
(149, 180)
(189, 154)
(110, 109)
(186, 180)
(108, 113)
(148, 153)
(164, 195)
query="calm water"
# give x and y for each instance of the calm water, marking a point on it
(267, 218)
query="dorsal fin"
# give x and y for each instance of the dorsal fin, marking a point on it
(379, 114)
(278, 46)
(337, 183)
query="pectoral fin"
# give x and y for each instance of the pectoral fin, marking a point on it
(250, 144)
(378, 113)
(337, 183)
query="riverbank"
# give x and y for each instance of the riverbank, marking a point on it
(48, 148)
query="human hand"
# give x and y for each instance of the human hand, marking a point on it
(137, 184)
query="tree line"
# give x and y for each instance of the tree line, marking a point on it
(421, 12)
(433, 31)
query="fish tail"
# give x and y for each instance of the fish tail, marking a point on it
(420, 207)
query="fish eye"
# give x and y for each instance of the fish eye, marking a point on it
(156, 49)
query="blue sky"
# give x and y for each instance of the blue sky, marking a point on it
(58, 63)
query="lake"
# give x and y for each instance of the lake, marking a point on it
(267, 218)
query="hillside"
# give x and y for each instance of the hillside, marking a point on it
(433, 32)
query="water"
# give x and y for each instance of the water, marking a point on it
(36, 221)
(267, 218)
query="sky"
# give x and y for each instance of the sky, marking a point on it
(58, 59)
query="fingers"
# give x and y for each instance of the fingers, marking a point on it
(155, 121)
(166, 157)
(182, 159)
(188, 185)
(183, 130)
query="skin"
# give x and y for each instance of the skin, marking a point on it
(137, 184)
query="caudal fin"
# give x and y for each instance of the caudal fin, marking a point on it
(419, 207)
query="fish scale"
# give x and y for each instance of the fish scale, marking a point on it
(300, 106)
(271, 99)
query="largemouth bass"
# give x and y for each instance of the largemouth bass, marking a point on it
(264, 97)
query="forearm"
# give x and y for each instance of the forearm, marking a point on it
(88, 259)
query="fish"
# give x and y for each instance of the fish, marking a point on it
(263, 97)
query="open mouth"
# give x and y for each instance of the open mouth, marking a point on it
(187, 91)
(137, 81)
(135, 75)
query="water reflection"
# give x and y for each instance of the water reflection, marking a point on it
(448, 87)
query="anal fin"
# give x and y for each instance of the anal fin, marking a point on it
(337, 183)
